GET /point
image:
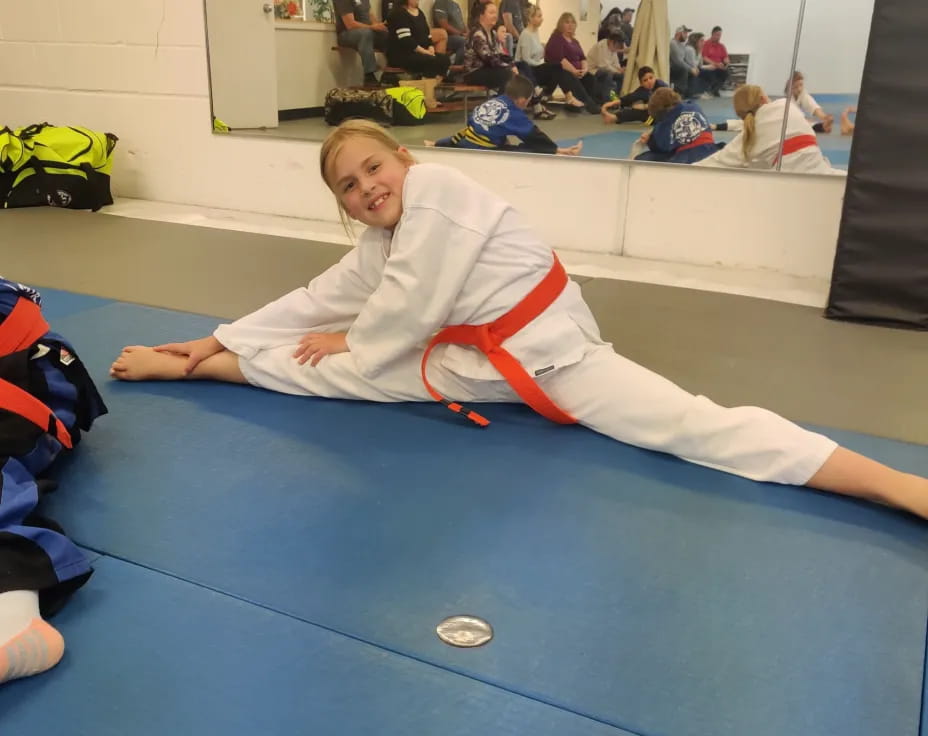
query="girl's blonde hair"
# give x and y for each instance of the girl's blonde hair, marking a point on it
(662, 101)
(747, 100)
(565, 17)
(533, 10)
(336, 140)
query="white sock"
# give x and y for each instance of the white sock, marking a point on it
(28, 645)
(17, 610)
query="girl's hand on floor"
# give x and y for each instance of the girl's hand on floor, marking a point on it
(316, 345)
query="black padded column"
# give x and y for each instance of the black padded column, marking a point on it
(881, 266)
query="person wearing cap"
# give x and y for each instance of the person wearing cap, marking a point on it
(679, 71)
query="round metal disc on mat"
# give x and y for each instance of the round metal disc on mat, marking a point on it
(464, 631)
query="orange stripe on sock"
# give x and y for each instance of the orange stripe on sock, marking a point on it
(36, 649)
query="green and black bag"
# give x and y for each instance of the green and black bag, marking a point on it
(58, 166)
(393, 106)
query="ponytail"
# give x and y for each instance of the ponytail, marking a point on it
(747, 100)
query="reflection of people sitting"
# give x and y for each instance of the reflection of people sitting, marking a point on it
(447, 15)
(606, 67)
(564, 49)
(757, 146)
(715, 56)
(633, 107)
(530, 61)
(808, 104)
(679, 71)
(698, 69)
(681, 133)
(410, 44)
(357, 28)
(494, 121)
(627, 28)
(511, 15)
(439, 36)
(612, 23)
(484, 62)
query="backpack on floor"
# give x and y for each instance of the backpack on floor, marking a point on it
(394, 106)
(58, 166)
(47, 399)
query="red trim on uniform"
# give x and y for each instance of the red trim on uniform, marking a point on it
(23, 326)
(14, 399)
(797, 143)
(488, 338)
(701, 140)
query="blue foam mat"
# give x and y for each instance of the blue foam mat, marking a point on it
(57, 304)
(616, 141)
(149, 655)
(623, 584)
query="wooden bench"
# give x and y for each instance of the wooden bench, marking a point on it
(468, 90)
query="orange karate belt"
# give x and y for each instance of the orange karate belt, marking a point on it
(21, 328)
(488, 338)
(796, 143)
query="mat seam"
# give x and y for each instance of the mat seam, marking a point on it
(360, 639)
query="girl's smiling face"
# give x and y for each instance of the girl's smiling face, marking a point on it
(367, 178)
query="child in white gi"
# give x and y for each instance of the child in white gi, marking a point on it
(806, 102)
(757, 146)
(440, 250)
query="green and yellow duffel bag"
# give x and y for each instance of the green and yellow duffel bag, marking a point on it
(393, 106)
(55, 165)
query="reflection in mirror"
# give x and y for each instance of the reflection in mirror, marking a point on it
(580, 75)
(825, 83)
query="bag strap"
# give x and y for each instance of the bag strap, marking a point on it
(21, 328)
(16, 400)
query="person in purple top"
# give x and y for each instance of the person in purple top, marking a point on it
(564, 50)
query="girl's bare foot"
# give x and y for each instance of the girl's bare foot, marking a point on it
(847, 127)
(430, 144)
(608, 117)
(141, 363)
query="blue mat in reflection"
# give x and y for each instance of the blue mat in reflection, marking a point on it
(616, 141)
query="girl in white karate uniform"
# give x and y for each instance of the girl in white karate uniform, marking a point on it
(757, 146)
(440, 250)
(806, 102)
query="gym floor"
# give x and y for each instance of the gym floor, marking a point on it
(277, 565)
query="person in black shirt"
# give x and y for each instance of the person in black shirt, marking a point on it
(410, 44)
(357, 28)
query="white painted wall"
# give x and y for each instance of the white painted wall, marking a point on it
(833, 46)
(307, 67)
(142, 75)
(832, 50)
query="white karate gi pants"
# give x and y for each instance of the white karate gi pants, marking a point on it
(604, 391)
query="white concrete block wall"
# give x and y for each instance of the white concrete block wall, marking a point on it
(140, 71)
(756, 220)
